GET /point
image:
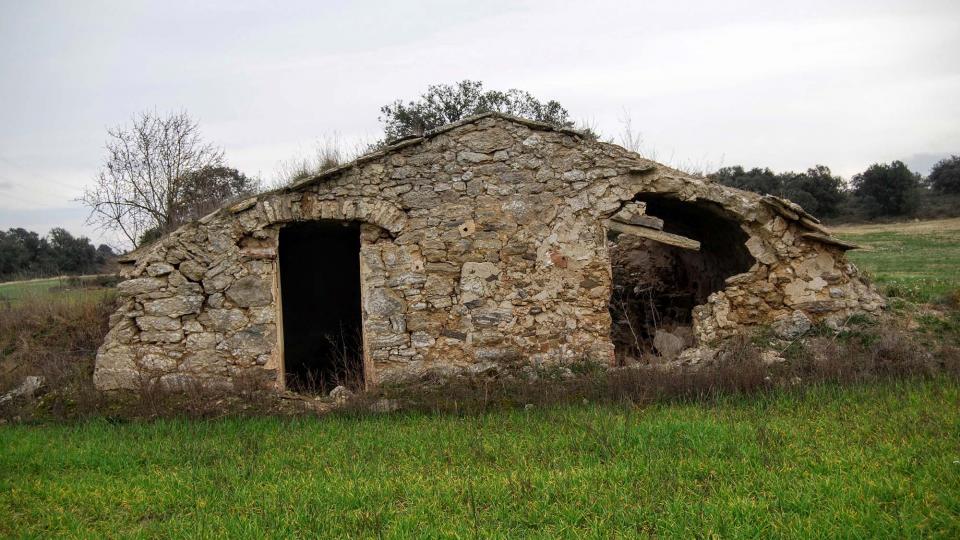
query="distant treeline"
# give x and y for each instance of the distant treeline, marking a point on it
(25, 254)
(884, 190)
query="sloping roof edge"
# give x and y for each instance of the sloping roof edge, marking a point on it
(782, 206)
(242, 203)
(398, 144)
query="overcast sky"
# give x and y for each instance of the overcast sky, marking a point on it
(708, 83)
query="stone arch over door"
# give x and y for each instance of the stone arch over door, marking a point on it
(378, 224)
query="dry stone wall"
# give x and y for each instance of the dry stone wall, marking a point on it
(483, 242)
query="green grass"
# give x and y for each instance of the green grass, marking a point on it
(919, 266)
(15, 292)
(866, 461)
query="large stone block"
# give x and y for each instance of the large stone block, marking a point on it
(251, 341)
(383, 303)
(159, 269)
(488, 140)
(251, 291)
(138, 286)
(152, 322)
(175, 306)
(226, 320)
(204, 361)
(477, 280)
(192, 270)
(161, 336)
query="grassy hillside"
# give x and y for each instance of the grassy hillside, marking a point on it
(863, 461)
(918, 261)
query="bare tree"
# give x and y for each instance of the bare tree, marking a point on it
(145, 179)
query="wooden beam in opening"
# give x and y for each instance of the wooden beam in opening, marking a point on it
(653, 234)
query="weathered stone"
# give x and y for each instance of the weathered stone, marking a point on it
(161, 336)
(384, 303)
(341, 394)
(138, 286)
(480, 244)
(250, 291)
(174, 306)
(192, 270)
(477, 280)
(204, 361)
(473, 157)
(150, 322)
(253, 340)
(225, 320)
(491, 317)
(487, 141)
(261, 315)
(667, 344)
(159, 269)
(157, 361)
(792, 326)
(27, 387)
(217, 283)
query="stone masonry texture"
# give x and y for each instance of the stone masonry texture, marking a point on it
(481, 242)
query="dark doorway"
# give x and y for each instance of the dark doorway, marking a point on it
(320, 294)
(656, 286)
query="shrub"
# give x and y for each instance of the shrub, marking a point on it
(888, 189)
(55, 338)
(945, 176)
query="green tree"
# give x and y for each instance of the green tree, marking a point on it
(204, 190)
(150, 235)
(887, 189)
(757, 180)
(816, 190)
(15, 254)
(104, 254)
(445, 103)
(71, 255)
(945, 176)
(25, 253)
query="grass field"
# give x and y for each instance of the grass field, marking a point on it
(59, 287)
(865, 461)
(918, 261)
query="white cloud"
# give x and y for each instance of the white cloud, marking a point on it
(784, 85)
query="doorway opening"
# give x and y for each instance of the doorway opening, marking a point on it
(320, 299)
(656, 285)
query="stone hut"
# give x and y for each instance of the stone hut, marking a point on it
(493, 240)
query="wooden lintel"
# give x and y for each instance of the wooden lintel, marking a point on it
(653, 234)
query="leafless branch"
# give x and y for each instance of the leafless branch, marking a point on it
(143, 181)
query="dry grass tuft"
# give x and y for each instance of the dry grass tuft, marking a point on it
(738, 369)
(57, 340)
